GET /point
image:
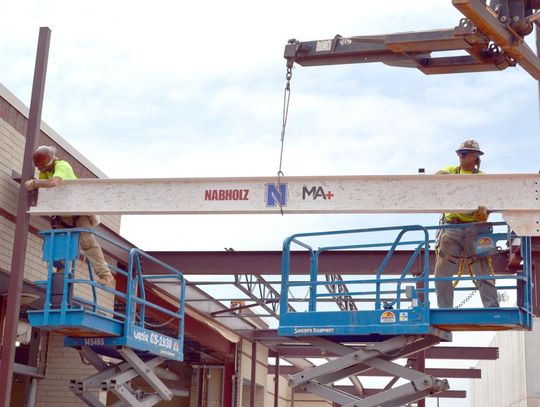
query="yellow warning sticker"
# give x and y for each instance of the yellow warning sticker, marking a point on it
(387, 317)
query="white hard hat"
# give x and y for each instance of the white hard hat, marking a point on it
(470, 145)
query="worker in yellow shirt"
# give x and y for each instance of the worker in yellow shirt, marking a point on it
(453, 243)
(52, 172)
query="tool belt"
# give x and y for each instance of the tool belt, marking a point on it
(63, 222)
(481, 228)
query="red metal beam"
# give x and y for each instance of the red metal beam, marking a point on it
(457, 352)
(444, 373)
(436, 352)
(269, 262)
(453, 394)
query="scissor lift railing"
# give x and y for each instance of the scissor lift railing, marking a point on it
(97, 329)
(394, 316)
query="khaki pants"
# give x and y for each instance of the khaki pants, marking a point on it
(452, 243)
(91, 248)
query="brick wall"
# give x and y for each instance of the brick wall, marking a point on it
(63, 363)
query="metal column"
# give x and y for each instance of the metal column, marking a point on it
(276, 383)
(23, 220)
(253, 374)
(228, 381)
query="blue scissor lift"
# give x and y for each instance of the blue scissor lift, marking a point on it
(392, 316)
(75, 305)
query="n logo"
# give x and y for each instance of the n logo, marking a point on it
(276, 195)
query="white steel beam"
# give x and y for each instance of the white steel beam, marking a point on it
(517, 195)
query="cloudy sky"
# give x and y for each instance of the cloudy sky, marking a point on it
(178, 89)
(194, 90)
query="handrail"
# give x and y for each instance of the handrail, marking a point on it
(376, 283)
(134, 297)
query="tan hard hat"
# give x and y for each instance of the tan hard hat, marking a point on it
(44, 156)
(470, 145)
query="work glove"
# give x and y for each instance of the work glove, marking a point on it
(30, 184)
(481, 214)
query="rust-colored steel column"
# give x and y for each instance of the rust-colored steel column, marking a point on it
(201, 388)
(253, 374)
(23, 219)
(535, 268)
(228, 381)
(276, 383)
(421, 367)
(537, 32)
(536, 282)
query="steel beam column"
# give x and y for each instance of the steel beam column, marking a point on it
(253, 374)
(228, 381)
(201, 387)
(276, 382)
(420, 365)
(23, 220)
(535, 243)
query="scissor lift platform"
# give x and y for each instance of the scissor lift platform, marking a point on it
(351, 324)
(76, 323)
(98, 331)
(390, 315)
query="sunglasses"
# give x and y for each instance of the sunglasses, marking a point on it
(46, 166)
(465, 153)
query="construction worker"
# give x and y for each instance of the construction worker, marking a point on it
(52, 172)
(454, 244)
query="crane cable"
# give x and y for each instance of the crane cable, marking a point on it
(286, 98)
